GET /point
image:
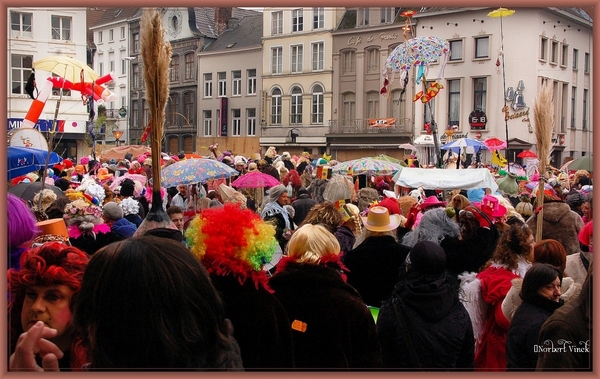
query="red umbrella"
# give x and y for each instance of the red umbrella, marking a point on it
(527, 154)
(494, 143)
(255, 179)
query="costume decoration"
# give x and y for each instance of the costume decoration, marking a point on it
(231, 240)
(81, 207)
(130, 206)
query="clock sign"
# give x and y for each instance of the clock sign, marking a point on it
(477, 120)
(174, 21)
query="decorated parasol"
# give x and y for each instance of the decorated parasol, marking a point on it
(527, 154)
(156, 58)
(583, 163)
(195, 170)
(418, 52)
(368, 166)
(494, 143)
(255, 179)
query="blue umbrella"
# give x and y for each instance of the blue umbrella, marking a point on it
(23, 160)
(460, 143)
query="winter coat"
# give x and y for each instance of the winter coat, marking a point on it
(135, 219)
(123, 228)
(572, 323)
(260, 323)
(578, 266)
(279, 222)
(469, 254)
(90, 243)
(331, 326)
(521, 352)
(302, 206)
(495, 283)
(561, 224)
(346, 238)
(374, 266)
(438, 324)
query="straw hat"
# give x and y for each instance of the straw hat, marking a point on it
(379, 220)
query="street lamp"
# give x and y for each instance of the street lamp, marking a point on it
(117, 133)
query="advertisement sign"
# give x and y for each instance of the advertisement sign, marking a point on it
(477, 120)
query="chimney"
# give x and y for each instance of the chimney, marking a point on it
(233, 23)
(221, 17)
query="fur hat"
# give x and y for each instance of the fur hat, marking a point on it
(127, 187)
(48, 197)
(112, 211)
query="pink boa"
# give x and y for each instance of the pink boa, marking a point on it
(74, 231)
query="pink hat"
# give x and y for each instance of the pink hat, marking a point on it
(432, 202)
(490, 205)
(586, 232)
(141, 158)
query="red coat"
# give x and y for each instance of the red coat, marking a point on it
(490, 354)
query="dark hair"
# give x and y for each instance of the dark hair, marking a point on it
(539, 275)
(512, 244)
(148, 303)
(173, 209)
(552, 252)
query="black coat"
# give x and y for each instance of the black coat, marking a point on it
(260, 324)
(469, 254)
(90, 244)
(302, 206)
(332, 327)
(374, 266)
(438, 324)
(346, 238)
(524, 332)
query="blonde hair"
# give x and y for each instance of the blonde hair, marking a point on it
(310, 243)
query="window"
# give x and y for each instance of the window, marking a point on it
(135, 113)
(173, 109)
(454, 102)
(428, 110)
(297, 20)
(236, 83)
(584, 123)
(123, 67)
(482, 47)
(207, 123)
(317, 56)
(222, 84)
(297, 54)
(317, 105)
(276, 22)
(251, 121)
(136, 75)
(20, 66)
(564, 105)
(100, 37)
(456, 50)
(276, 60)
(348, 62)
(296, 106)
(373, 60)
(20, 24)
(146, 114)
(586, 63)
(174, 70)
(276, 107)
(122, 32)
(373, 105)
(573, 105)
(398, 107)
(543, 49)
(101, 68)
(236, 122)
(136, 42)
(208, 85)
(554, 52)
(362, 17)
(189, 108)
(61, 28)
(189, 67)
(564, 56)
(479, 94)
(251, 82)
(318, 18)
(110, 35)
(387, 15)
(348, 109)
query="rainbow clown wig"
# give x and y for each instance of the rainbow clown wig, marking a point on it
(232, 241)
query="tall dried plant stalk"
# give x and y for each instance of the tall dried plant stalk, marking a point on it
(156, 59)
(543, 111)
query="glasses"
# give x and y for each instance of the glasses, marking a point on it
(468, 214)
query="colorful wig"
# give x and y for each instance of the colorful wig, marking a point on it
(21, 223)
(232, 241)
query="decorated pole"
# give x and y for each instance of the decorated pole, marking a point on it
(156, 59)
(543, 111)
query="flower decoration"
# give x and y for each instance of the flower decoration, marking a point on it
(80, 208)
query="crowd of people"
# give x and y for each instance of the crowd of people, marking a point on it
(311, 274)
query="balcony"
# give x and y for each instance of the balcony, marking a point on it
(361, 126)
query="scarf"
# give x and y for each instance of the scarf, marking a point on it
(274, 208)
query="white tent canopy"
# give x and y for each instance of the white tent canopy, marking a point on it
(442, 179)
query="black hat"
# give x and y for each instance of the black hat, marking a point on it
(62, 183)
(429, 259)
(127, 187)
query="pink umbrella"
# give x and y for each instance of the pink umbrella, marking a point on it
(255, 179)
(527, 154)
(494, 143)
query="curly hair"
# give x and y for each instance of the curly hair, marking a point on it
(512, 245)
(51, 264)
(325, 214)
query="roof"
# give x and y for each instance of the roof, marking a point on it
(205, 18)
(247, 34)
(112, 15)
